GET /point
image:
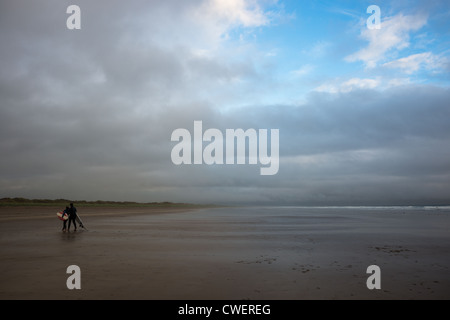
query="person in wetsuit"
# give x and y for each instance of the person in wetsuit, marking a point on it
(65, 213)
(72, 216)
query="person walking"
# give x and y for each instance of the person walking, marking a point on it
(72, 216)
(65, 213)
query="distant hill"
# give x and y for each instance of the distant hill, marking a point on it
(83, 203)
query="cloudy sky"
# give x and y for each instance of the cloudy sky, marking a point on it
(363, 114)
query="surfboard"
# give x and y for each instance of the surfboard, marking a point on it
(80, 222)
(62, 216)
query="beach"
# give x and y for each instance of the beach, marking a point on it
(285, 253)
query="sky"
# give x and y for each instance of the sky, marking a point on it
(362, 113)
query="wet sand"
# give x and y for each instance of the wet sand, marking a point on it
(226, 253)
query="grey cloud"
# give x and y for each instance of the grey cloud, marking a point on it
(89, 116)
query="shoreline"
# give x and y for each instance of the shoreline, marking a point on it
(14, 213)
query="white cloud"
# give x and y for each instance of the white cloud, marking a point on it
(414, 62)
(398, 82)
(220, 16)
(360, 155)
(378, 83)
(317, 50)
(246, 13)
(357, 83)
(349, 85)
(303, 70)
(272, 53)
(393, 35)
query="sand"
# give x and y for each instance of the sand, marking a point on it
(226, 253)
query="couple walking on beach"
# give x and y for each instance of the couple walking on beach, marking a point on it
(72, 214)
